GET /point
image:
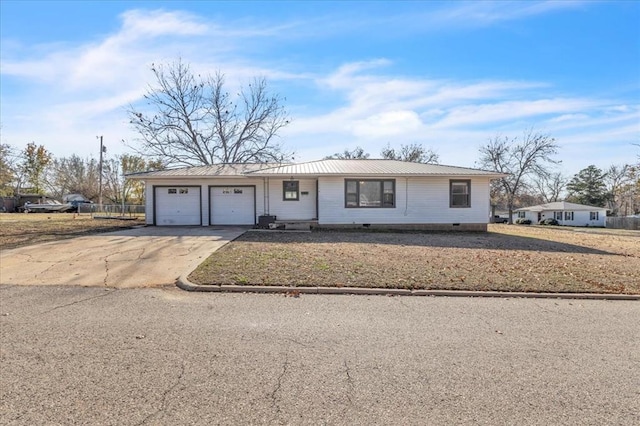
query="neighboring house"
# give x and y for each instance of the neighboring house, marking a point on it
(569, 214)
(339, 193)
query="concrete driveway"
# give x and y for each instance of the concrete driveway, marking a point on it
(141, 257)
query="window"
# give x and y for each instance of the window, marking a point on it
(172, 191)
(558, 215)
(593, 216)
(237, 191)
(183, 191)
(290, 190)
(460, 193)
(522, 215)
(370, 193)
(568, 215)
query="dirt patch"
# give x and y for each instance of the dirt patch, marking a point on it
(22, 229)
(507, 258)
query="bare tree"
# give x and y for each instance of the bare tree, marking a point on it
(415, 153)
(618, 180)
(119, 187)
(551, 186)
(356, 154)
(520, 159)
(74, 175)
(193, 121)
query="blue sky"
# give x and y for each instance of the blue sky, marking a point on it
(449, 75)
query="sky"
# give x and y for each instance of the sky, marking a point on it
(447, 75)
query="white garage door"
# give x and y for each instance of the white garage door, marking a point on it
(177, 205)
(233, 205)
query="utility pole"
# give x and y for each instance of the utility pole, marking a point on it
(102, 149)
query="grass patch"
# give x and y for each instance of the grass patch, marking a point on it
(507, 258)
(22, 229)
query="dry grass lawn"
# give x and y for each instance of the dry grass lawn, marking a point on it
(22, 229)
(507, 258)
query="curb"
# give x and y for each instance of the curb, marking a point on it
(187, 285)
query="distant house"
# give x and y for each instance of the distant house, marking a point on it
(569, 214)
(336, 193)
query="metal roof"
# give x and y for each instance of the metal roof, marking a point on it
(559, 206)
(215, 170)
(318, 168)
(370, 168)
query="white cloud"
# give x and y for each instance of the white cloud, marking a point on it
(387, 124)
(80, 91)
(484, 13)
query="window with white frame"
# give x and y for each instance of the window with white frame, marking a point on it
(593, 216)
(369, 193)
(459, 193)
(558, 215)
(522, 215)
(290, 190)
(568, 215)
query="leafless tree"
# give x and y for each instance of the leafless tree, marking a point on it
(119, 187)
(73, 175)
(521, 159)
(193, 120)
(355, 154)
(551, 186)
(415, 153)
(619, 182)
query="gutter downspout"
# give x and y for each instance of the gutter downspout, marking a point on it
(265, 190)
(406, 196)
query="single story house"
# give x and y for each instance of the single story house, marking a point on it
(568, 214)
(327, 193)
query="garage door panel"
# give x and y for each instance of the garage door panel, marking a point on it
(232, 205)
(177, 205)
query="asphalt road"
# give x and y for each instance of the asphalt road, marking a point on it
(75, 355)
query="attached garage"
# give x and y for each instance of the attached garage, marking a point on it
(232, 205)
(177, 205)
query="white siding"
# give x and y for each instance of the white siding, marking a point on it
(419, 200)
(580, 218)
(302, 209)
(204, 192)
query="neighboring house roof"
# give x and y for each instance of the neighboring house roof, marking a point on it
(320, 168)
(218, 170)
(559, 206)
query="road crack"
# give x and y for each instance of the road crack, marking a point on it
(77, 301)
(165, 395)
(274, 398)
(350, 385)
(106, 270)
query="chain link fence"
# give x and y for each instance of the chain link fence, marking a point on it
(113, 210)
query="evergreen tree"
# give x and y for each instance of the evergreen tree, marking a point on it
(588, 187)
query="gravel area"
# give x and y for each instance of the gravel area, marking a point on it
(507, 258)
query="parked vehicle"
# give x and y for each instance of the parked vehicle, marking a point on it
(523, 222)
(48, 206)
(548, 221)
(500, 219)
(75, 200)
